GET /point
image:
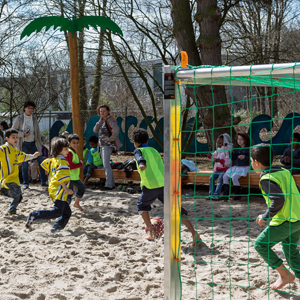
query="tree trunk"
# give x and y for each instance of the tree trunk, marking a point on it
(98, 70)
(83, 100)
(212, 107)
(76, 120)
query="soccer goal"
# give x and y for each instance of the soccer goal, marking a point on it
(228, 267)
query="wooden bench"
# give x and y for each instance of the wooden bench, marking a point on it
(192, 177)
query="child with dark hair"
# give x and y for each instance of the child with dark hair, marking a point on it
(240, 158)
(281, 193)
(10, 157)
(290, 161)
(59, 186)
(75, 165)
(94, 159)
(151, 169)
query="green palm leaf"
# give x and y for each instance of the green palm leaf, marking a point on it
(38, 24)
(68, 25)
(94, 21)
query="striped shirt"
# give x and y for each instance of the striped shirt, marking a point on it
(10, 158)
(59, 172)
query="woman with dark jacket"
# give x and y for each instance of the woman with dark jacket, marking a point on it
(29, 140)
(108, 130)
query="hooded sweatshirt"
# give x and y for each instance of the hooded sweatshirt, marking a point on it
(223, 154)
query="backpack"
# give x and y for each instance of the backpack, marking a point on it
(128, 166)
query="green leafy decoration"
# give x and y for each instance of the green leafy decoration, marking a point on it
(68, 25)
(38, 24)
(94, 21)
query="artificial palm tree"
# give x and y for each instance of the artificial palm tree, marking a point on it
(72, 27)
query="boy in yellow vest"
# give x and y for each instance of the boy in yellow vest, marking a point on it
(281, 193)
(10, 157)
(75, 166)
(59, 186)
(151, 169)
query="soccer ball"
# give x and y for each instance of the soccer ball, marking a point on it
(158, 227)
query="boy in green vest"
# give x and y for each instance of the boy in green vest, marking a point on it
(151, 169)
(75, 166)
(94, 159)
(281, 193)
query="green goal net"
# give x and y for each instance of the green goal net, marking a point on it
(261, 101)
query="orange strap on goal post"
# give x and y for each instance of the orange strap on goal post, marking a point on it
(184, 59)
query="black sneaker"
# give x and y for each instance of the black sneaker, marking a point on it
(30, 220)
(55, 229)
(12, 212)
(45, 184)
(106, 188)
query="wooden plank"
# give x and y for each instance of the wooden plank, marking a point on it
(118, 174)
(201, 177)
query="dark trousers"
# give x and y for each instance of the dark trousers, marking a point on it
(61, 210)
(14, 192)
(148, 196)
(30, 148)
(80, 189)
(88, 170)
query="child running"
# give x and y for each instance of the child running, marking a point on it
(59, 182)
(75, 166)
(282, 197)
(221, 159)
(151, 169)
(10, 157)
(240, 158)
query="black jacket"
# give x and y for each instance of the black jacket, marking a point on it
(296, 156)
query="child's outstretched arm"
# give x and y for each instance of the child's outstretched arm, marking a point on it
(22, 156)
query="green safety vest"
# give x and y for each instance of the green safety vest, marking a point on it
(75, 172)
(97, 161)
(291, 208)
(153, 176)
(85, 156)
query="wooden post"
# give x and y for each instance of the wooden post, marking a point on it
(76, 120)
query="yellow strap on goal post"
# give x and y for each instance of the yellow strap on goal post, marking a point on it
(172, 189)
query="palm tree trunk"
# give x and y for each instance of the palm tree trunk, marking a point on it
(76, 120)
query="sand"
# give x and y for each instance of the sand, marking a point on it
(101, 254)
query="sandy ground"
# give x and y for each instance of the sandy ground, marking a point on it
(101, 254)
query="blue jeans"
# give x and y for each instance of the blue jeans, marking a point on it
(80, 189)
(212, 187)
(13, 191)
(30, 148)
(88, 170)
(105, 155)
(61, 209)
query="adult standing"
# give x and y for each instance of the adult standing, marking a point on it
(108, 130)
(29, 140)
